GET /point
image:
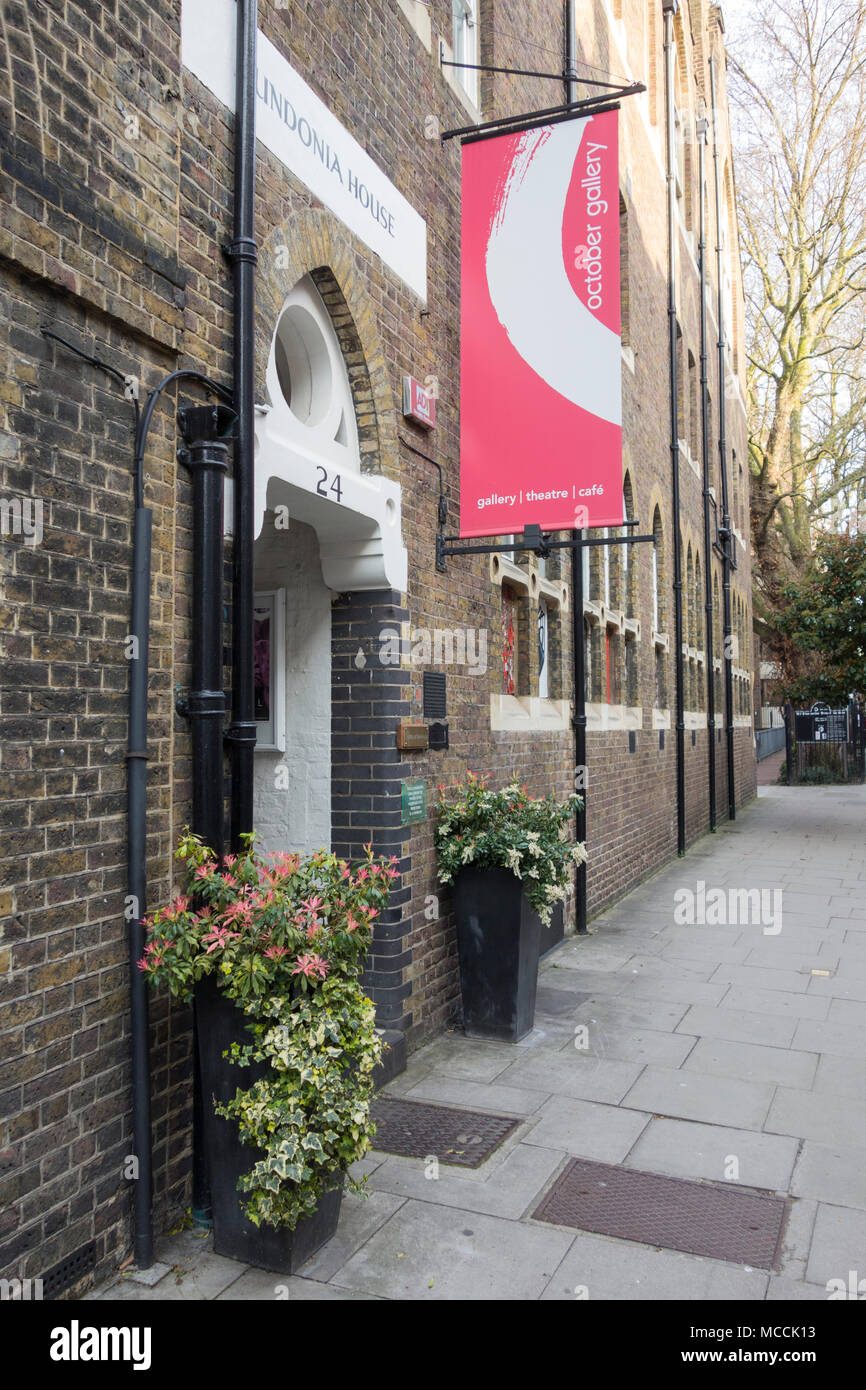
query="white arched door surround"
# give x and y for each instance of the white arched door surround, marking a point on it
(308, 458)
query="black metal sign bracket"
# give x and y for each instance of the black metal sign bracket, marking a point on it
(534, 539)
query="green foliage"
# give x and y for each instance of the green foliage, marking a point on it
(310, 1117)
(816, 775)
(509, 829)
(823, 623)
(286, 938)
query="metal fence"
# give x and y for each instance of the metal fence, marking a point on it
(772, 717)
(769, 741)
(827, 744)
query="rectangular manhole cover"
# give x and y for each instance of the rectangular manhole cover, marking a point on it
(725, 1223)
(413, 1130)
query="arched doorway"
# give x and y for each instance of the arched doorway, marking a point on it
(324, 528)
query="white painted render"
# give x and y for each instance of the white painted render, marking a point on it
(292, 790)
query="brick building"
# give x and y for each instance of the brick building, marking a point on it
(116, 143)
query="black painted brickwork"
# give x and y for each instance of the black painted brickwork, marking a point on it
(366, 773)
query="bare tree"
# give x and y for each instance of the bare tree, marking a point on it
(797, 79)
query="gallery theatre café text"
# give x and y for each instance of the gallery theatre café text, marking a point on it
(497, 500)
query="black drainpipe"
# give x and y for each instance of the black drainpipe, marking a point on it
(137, 811)
(206, 457)
(725, 529)
(578, 653)
(203, 429)
(243, 256)
(702, 126)
(135, 906)
(136, 798)
(670, 8)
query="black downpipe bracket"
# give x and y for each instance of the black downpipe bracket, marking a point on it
(726, 532)
(702, 126)
(670, 8)
(243, 256)
(578, 652)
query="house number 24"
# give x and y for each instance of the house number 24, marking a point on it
(323, 487)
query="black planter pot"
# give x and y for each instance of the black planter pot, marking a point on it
(221, 1023)
(498, 940)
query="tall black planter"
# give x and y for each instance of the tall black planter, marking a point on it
(498, 940)
(221, 1023)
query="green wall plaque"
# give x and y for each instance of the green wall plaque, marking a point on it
(413, 802)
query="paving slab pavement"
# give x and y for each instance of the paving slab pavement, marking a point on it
(705, 1051)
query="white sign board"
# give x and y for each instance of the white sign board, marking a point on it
(300, 130)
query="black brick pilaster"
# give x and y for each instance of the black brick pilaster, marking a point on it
(366, 774)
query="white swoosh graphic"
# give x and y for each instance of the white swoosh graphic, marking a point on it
(555, 334)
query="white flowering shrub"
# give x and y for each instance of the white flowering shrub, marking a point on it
(509, 829)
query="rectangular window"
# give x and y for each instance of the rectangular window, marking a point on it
(464, 14)
(626, 596)
(661, 698)
(543, 651)
(612, 671)
(655, 565)
(680, 139)
(631, 681)
(608, 659)
(509, 640)
(269, 670)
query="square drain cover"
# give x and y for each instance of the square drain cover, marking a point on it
(414, 1130)
(701, 1218)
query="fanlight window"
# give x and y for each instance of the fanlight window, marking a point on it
(308, 382)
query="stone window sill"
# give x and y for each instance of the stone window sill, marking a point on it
(528, 714)
(602, 718)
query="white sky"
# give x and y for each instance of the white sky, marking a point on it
(733, 13)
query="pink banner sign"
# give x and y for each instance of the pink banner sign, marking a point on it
(541, 383)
